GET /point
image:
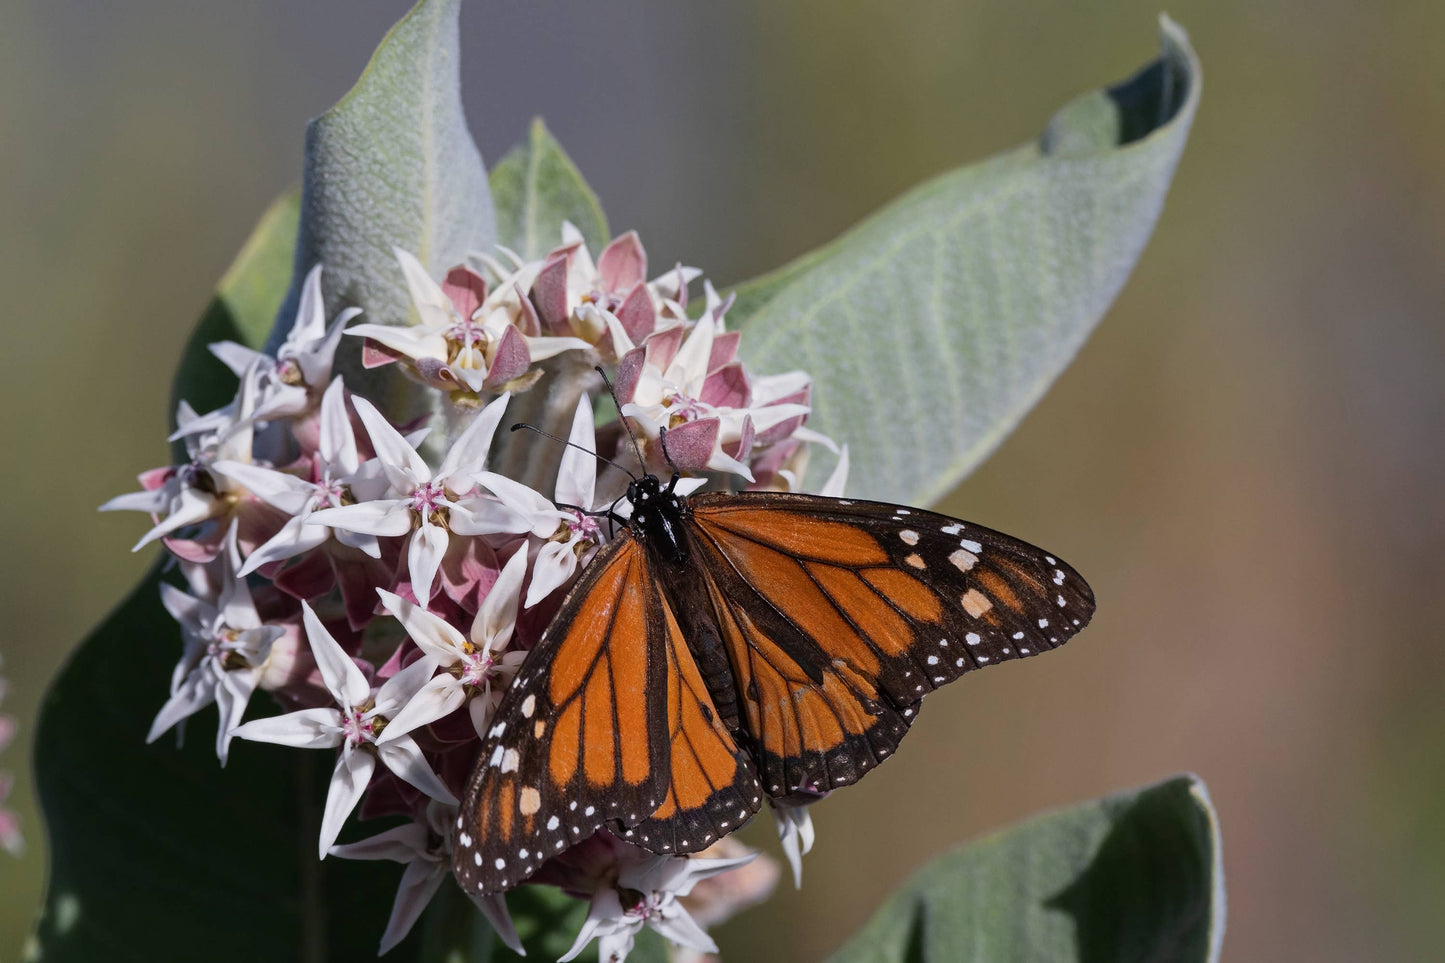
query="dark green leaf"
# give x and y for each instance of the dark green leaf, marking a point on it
(1132, 877)
(947, 314)
(537, 187)
(159, 854)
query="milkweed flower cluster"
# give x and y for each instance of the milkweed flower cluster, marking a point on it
(383, 585)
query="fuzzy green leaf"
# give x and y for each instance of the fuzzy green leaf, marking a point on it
(947, 314)
(537, 187)
(1129, 878)
(393, 164)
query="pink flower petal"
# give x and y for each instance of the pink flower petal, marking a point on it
(690, 446)
(466, 289)
(724, 349)
(637, 314)
(629, 369)
(622, 263)
(727, 387)
(374, 354)
(511, 361)
(549, 295)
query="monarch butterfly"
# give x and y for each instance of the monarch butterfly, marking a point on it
(726, 647)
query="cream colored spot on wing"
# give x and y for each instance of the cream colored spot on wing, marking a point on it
(916, 561)
(975, 603)
(962, 560)
(909, 537)
(538, 729)
(529, 801)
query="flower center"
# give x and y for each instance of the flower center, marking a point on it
(428, 498)
(682, 408)
(582, 526)
(330, 493)
(357, 728)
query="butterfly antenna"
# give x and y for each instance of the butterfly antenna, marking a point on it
(662, 440)
(572, 444)
(625, 424)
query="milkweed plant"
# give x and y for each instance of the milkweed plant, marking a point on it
(357, 550)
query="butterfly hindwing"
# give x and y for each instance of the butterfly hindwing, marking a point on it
(841, 615)
(580, 739)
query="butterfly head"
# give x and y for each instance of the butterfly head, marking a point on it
(658, 516)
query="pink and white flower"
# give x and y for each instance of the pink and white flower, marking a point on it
(467, 341)
(425, 849)
(356, 725)
(475, 668)
(402, 496)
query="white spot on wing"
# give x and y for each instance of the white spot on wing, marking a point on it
(909, 536)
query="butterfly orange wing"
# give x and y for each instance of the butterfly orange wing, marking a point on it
(581, 737)
(713, 787)
(839, 616)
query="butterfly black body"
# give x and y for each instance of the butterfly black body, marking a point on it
(724, 648)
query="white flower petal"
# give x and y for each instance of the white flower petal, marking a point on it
(348, 782)
(276, 488)
(424, 556)
(494, 908)
(405, 467)
(403, 757)
(401, 687)
(533, 505)
(305, 729)
(414, 342)
(419, 884)
(438, 698)
(337, 442)
(385, 517)
(838, 481)
(196, 691)
(468, 454)
(433, 634)
(341, 675)
(497, 616)
(577, 476)
(310, 321)
(294, 538)
(486, 516)
(400, 845)
(605, 917)
(238, 357)
(432, 304)
(556, 561)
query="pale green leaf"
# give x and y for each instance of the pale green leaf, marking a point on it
(932, 327)
(393, 164)
(1131, 878)
(536, 187)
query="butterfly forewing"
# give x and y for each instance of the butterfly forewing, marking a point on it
(712, 787)
(841, 615)
(580, 737)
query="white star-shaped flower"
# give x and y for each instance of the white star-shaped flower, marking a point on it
(356, 725)
(191, 493)
(334, 468)
(471, 666)
(302, 364)
(405, 497)
(653, 886)
(425, 850)
(226, 648)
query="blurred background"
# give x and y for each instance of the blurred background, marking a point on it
(1253, 435)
